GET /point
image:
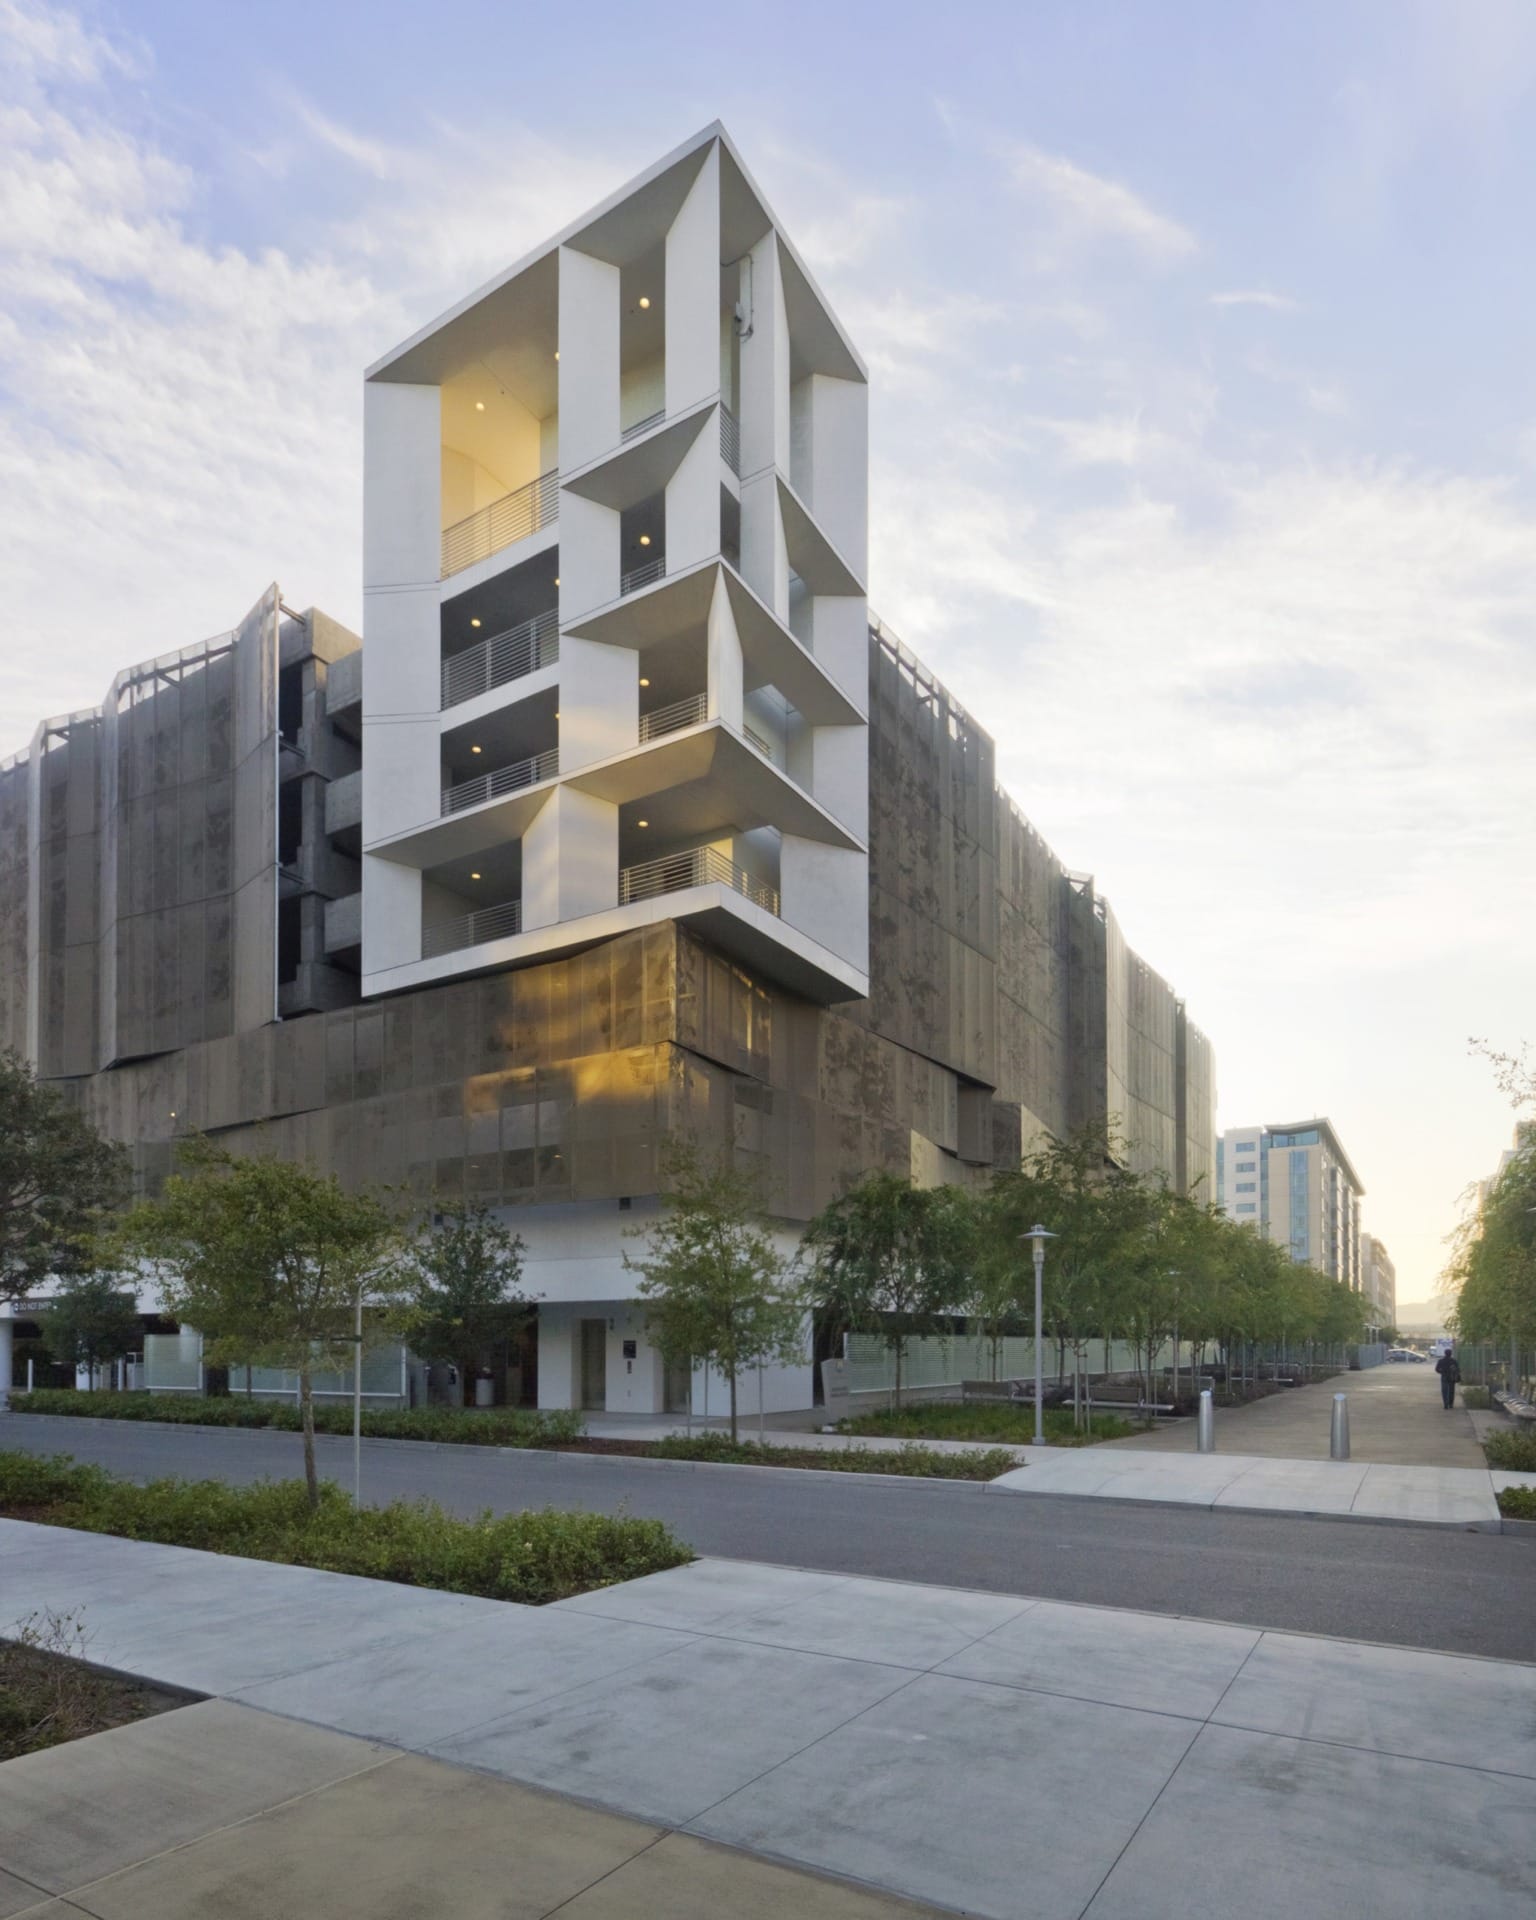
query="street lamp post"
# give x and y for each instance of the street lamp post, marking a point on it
(1037, 1237)
(357, 1404)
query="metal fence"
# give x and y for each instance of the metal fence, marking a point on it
(510, 655)
(688, 712)
(699, 867)
(501, 780)
(642, 576)
(514, 516)
(487, 923)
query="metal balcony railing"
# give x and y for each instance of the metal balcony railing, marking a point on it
(520, 650)
(755, 739)
(643, 576)
(690, 712)
(643, 426)
(699, 867)
(488, 923)
(501, 780)
(730, 441)
(513, 517)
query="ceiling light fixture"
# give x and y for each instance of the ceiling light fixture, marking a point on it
(474, 749)
(474, 876)
(557, 579)
(642, 823)
(473, 620)
(645, 539)
(643, 681)
(479, 406)
(557, 353)
(645, 299)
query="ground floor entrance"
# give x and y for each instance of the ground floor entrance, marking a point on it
(594, 1365)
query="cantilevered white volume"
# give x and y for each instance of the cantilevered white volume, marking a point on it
(615, 628)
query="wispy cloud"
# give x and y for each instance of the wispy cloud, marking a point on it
(1086, 207)
(1256, 297)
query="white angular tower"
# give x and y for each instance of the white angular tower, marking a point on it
(615, 631)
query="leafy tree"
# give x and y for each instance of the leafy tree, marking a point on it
(460, 1289)
(889, 1257)
(717, 1289)
(1493, 1260)
(267, 1259)
(59, 1179)
(91, 1321)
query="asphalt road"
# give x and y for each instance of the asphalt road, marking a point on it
(1408, 1586)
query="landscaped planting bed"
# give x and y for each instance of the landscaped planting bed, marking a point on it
(1000, 1421)
(463, 1426)
(1514, 1448)
(909, 1461)
(1518, 1503)
(49, 1694)
(531, 1557)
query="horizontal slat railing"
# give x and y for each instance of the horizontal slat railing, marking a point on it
(698, 867)
(730, 441)
(690, 712)
(505, 656)
(498, 781)
(488, 923)
(513, 517)
(643, 426)
(642, 576)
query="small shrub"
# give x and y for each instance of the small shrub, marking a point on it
(1001, 1422)
(974, 1464)
(530, 1557)
(1476, 1399)
(1518, 1503)
(1513, 1448)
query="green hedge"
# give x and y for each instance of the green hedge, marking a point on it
(1518, 1503)
(530, 1557)
(998, 1421)
(977, 1464)
(1513, 1448)
(463, 1426)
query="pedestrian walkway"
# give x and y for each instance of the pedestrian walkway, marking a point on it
(980, 1752)
(1395, 1418)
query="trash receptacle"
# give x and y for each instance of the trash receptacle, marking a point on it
(485, 1390)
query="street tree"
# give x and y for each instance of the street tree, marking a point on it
(718, 1291)
(59, 1181)
(267, 1259)
(91, 1321)
(890, 1258)
(460, 1289)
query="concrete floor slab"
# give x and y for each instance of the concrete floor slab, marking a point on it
(1427, 1706)
(435, 1685)
(682, 1878)
(984, 1798)
(1118, 1658)
(882, 1620)
(697, 1596)
(1288, 1827)
(669, 1741)
(20, 1896)
(172, 1778)
(404, 1841)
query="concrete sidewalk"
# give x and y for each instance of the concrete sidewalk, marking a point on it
(1346, 1489)
(986, 1753)
(1395, 1419)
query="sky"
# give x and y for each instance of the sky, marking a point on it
(1203, 425)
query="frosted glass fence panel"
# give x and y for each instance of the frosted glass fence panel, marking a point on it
(933, 1362)
(173, 1362)
(381, 1376)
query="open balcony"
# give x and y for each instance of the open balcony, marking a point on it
(697, 867)
(472, 929)
(526, 510)
(502, 658)
(498, 781)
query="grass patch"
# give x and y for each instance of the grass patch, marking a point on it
(998, 1421)
(1513, 1448)
(1476, 1399)
(459, 1426)
(1518, 1503)
(531, 1557)
(925, 1462)
(48, 1695)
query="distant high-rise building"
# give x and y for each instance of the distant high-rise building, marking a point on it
(1378, 1281)
(1295, 1184)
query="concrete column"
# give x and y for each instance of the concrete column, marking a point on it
(764, 554)
(599, 701)
(589, 555)
(570, 859)
(589, 358)
(391, 915)
(723, 649)
(693, 502)
(825, 893)
(765, 438)
(7, 1356)
(829, 454)
(693, 293)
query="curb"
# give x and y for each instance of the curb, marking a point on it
(1496, 1525)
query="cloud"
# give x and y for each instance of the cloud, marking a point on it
(1256, 297)
(1085, 207)
(43, 43)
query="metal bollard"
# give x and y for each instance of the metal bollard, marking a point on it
(1338, 1431)
(1205, 1423)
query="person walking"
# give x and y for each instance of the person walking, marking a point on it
(1449, 1369)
